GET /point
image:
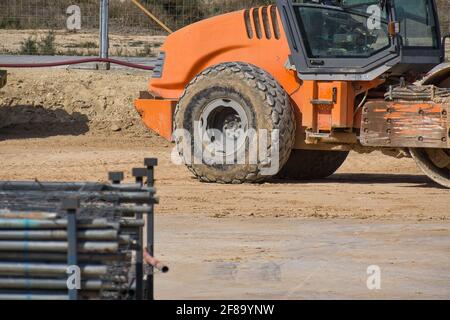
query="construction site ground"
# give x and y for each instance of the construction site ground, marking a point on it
(304, 240)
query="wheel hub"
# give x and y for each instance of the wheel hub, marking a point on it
(232, 126)
(223, 126)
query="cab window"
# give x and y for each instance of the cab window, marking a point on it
(417, 23)
(343, 31)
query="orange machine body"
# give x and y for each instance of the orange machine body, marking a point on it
(253, 36)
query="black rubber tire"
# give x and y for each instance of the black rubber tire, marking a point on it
(266, 104)
(439, 175)
(312, 164)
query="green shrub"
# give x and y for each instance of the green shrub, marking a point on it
(47, 44)
(29, 46)
(43, 46)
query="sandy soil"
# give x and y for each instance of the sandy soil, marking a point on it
(74, 124)
(37, 102)
(273, 240)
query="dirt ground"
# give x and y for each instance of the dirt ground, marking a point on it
(274, 240)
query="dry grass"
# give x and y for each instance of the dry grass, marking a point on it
(78, 44)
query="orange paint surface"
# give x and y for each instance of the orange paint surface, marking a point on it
(157, 115)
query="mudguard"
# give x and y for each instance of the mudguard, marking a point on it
(439, 76)
(254, 36)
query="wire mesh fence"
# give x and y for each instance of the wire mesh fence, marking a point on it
(125, 16)
(68, 27)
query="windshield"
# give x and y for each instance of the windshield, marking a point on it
(358, 29)
(417, 23)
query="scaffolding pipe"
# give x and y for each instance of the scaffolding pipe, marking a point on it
(58, 235)
(53, 246)
(30, 215)
(28, 224)
(57, 284)
(61, 257)
(67, 186)
(45, 269)
(151, 261)
(27, 296)
(107, 196)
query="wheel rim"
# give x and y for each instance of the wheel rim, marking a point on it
(222, 127)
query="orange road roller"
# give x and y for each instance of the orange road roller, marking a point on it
(286, 91)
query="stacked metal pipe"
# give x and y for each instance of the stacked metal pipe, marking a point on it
(35, 239)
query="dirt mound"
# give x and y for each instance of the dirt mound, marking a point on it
(71, 102)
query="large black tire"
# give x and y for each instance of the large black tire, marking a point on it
(312, 164)
(435, 162)
(257, 97)
(428, 161)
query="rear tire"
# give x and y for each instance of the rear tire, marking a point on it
(435, 163)
(231, 98)
(312, 164)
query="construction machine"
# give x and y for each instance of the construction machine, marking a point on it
(322, 77)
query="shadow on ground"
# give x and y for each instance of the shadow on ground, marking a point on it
(27, 121)
(414, 180)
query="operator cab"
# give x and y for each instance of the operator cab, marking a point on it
(361, 39)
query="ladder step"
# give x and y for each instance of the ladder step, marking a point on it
(322, 102)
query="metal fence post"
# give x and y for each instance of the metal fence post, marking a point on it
(116, 177)
(104, 31)
(71, 205)
(139, 174)
(150, 163)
